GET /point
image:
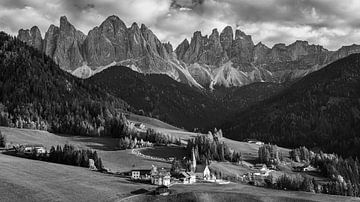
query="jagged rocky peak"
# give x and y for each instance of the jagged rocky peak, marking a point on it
(181, 49)
(196, 48)
(106, 43)
(31, 37)
(168, 47)
(242, 49)
(50, 41)
(226, 39)
(154, 43)
(260, 53)
(69, 41)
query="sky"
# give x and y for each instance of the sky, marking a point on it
(331, 23)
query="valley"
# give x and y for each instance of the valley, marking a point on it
(120, 114)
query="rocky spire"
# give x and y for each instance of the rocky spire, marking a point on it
(107, 43)
(50, 41)
(242, 47)
(226, 39)
(31, 37)
(181, 49)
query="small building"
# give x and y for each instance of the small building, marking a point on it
(162, 190)
(305, 168)
(30, 148)
(254, 141)
(160, 177)
(140, 175)
(140, 126)
(203, 172)
(187, 177)
(260, 166)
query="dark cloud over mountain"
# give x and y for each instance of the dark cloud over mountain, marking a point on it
(331, 23)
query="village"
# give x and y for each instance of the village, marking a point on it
(259, 172)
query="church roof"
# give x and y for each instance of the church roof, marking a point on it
(200, 168)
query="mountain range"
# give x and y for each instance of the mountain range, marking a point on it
(228, 59)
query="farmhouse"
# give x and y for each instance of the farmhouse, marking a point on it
(306, 168)
(141, 174)
(160, 177)
(187, 177)
(140, 126)
(30, 148)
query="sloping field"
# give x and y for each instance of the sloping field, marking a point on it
(249, 151)
(114, 159)
(237, 192)
(28, 180)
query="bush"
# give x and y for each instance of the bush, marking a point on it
(2, 140)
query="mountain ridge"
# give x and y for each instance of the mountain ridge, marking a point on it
(228, 58)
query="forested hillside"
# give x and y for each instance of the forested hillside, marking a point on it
(35, 93)
(322, 110)
(160, 96)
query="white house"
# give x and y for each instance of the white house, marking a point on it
(140, 174)
(29, 149)
(187, 177)
(140, 126)
(160, 177)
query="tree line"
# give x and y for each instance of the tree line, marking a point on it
(69, 155)
(209, 147)
(343, 173)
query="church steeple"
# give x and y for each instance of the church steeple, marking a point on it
(193, 163)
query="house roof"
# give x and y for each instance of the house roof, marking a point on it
(200, 168)
(142, 172)
(33, 145)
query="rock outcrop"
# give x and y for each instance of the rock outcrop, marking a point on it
(31, 37)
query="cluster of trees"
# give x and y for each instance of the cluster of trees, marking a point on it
(2, 140)
(301, 183)
(132, 142)
(344, 173)
(301, 154)
(207, 149)
(69, 155)
(269, 154)
(35, 93)
(296, 183)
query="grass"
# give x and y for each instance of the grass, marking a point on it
(114, 159)
(237, 192)
(28, 180)
(165, 152)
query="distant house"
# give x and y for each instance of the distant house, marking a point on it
(31, 148)
(160, 177)
(140, 174)
(187, 177)
(306, 168)
(140, 126)
(203, 172)
(254, 141)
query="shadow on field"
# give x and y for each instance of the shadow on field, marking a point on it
(97, 143)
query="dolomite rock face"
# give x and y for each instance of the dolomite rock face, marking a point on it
(228, 59)
(31, 37)
(68, 51)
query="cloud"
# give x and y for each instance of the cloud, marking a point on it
(331, 23)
